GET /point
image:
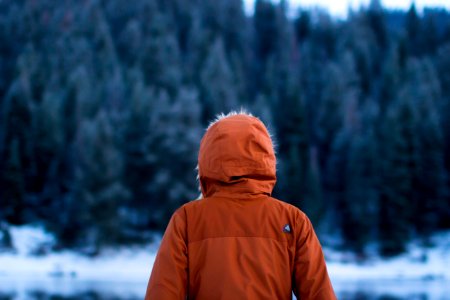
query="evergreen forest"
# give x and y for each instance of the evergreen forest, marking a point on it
(103, 104)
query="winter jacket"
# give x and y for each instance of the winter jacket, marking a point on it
(238, 242)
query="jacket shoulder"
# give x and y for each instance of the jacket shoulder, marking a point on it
(294, 214)
(291, 209)
(191, 204)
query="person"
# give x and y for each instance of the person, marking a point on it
(238, 242)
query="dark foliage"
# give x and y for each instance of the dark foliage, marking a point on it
(103, 103)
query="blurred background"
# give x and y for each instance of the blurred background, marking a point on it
(103, 104)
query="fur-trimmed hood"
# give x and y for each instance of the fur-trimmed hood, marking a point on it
(236, 156)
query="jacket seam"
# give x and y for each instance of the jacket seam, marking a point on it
(238, 236)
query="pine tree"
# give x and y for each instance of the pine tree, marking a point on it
(99, 192)
(139, 157)
(302, 25)
(48, 145)
(361, 195)
(16, 150)
(266, 29)
(391, 77)
(443, 69)
(423, 89)
(217, 83)
(267, 32)
(336, 183)
(160, 56)
(329, 121)
(400, 147)
(293, 143)
(376, 20)
(175, 138)
(413, 28)
(312, 200)
(13, 186)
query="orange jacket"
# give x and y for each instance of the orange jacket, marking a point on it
(238, 242)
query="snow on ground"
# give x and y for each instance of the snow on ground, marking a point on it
(133, 264)
(418, 263)
(129, 264)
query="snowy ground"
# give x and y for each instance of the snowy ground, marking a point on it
(114, 265)
(418, 263)
(117, 272)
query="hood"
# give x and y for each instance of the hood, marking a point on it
(236, 156)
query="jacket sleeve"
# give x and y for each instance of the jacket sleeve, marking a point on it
(310, 278)
(168, 280)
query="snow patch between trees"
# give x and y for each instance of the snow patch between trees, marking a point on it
(31, 257)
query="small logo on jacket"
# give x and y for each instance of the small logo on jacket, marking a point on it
(287, 228)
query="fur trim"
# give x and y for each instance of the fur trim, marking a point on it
(200, 196)
(221, 116)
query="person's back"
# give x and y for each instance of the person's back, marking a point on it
(238, 242)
